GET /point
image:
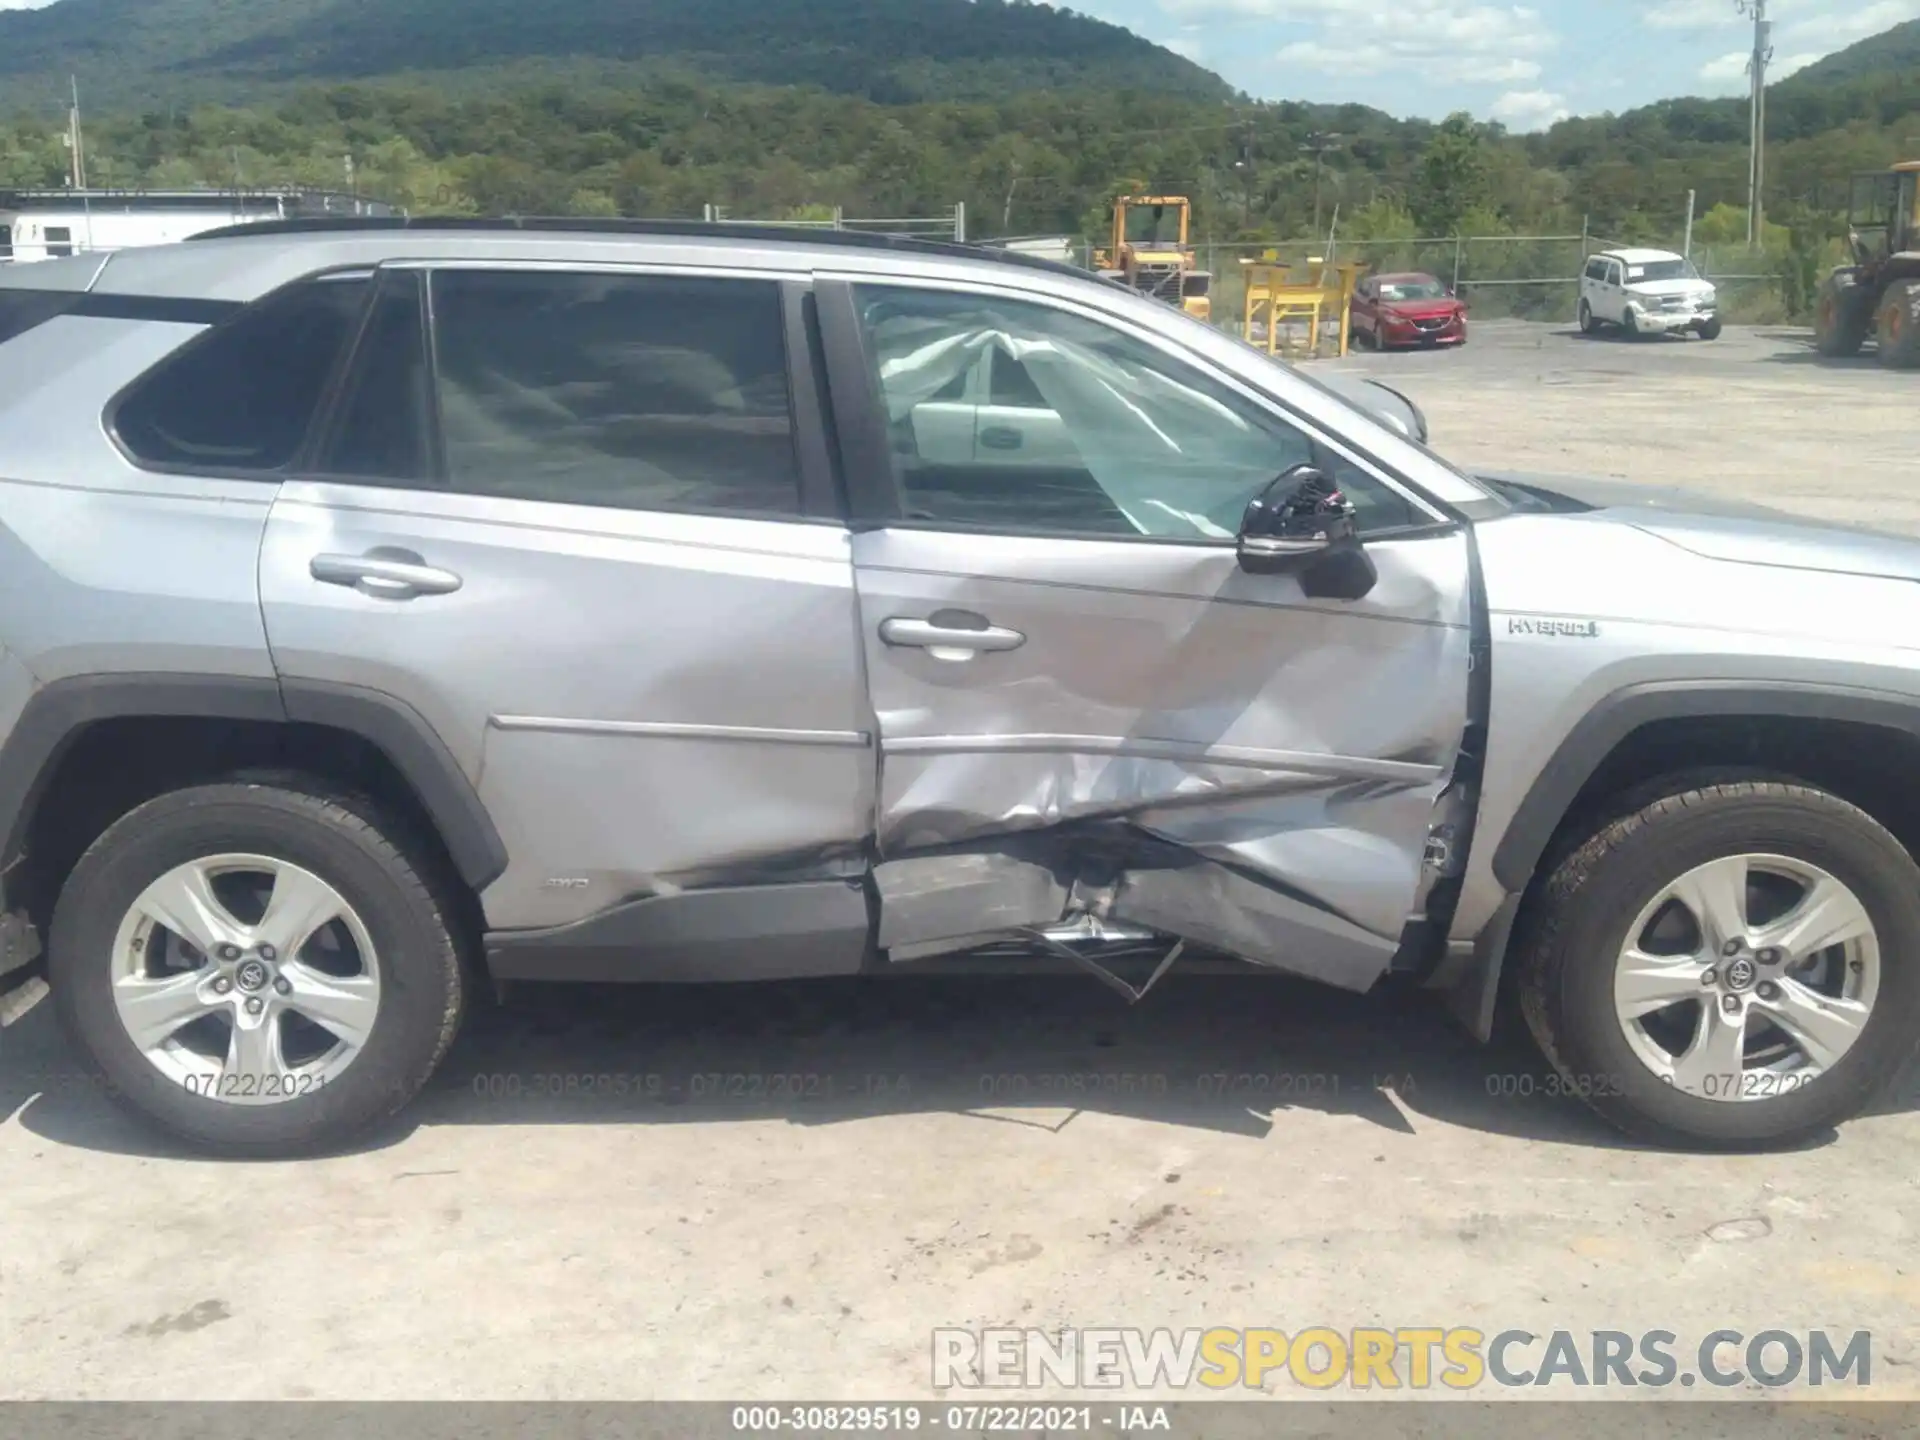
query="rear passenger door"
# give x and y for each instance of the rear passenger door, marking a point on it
(582, 522)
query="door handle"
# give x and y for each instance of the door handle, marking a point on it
(384, 573)
(957, 641)
(1001, 437)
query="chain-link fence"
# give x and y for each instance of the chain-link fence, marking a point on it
(1528, 277)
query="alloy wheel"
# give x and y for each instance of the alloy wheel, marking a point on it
(245, 979)
(1747, 977)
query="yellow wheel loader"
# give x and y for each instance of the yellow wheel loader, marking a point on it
(1877, 295)
(1151, 252)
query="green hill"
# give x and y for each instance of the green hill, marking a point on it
(146, 52)
(1892, 52)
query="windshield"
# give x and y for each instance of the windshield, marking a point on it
(1420, 287)
(1153, 224)
(1675, 269)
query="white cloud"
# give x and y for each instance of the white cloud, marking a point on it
(24, 4)
(1192, 49)
(1529, 109)
(1471, 41)
(1497, 72)
(1810, 29)
(1728, 67)
(1781, 69)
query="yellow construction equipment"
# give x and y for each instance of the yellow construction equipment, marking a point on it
(1151, 252)
(1879, 293)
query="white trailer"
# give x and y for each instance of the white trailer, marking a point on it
(50, 224)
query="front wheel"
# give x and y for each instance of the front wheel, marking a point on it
(1631, 324)
(1842, 316)
(1898, 324)
(258, 969)
(1588, 325)
(1733, 967)
(1710, 329)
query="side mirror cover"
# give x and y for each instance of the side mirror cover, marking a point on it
(1301, 523)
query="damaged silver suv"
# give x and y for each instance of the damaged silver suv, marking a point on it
(387, 606)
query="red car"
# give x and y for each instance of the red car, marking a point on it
(1407, 310)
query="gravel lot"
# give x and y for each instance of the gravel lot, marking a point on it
(975, 1151)
(1755, 413)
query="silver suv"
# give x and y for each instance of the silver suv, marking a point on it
(389, 606)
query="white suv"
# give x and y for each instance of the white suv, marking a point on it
(1647, 292)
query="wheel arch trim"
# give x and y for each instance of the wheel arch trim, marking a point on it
(1611, 722)
(57, 713)
(1598, 734)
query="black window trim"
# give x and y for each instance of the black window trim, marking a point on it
(874, 492)
(110, 417)
(324, 431)
(815, 469)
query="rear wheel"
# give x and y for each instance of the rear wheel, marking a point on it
(1734, 967)
(1898, 325)
(258, 970)
(1842, 315)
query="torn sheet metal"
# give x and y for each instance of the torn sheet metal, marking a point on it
(937, 904)
(1300, 747)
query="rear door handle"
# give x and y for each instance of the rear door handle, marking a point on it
(953, 640)
(384, 573)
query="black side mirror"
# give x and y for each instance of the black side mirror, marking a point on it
(1302, 524)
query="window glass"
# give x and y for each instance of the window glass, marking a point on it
(243, 397)
(1111, 435)
(59, 240)
(645, 392)
(385, 413)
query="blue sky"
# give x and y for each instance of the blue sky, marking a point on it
(1524, 64)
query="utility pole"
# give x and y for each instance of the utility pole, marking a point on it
(1757, 118)
(1317, 146)
(1245, 167)
(74, 141)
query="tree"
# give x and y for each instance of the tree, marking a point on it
(1452, 177)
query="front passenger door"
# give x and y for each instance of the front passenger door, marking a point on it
(1077, 686)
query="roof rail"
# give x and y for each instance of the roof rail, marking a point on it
(683, 229)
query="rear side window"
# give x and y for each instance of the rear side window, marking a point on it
(243, 397)
(642, 392)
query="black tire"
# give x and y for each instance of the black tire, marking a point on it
(1630, 324)
(1710, 329)
(399, 897)
(1588, 324)
(1897, 326)
(1577, 924)
(1842, 316)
